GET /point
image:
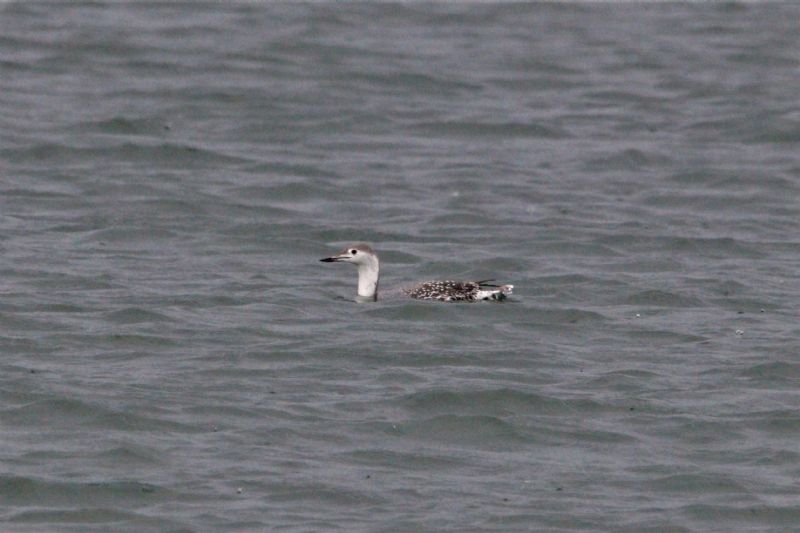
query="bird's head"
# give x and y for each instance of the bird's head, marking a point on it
(359, 254)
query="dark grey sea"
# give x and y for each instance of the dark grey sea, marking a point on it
(174, 357)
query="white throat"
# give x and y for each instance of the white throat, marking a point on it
(368, 278)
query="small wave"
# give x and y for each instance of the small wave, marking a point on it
(704, 483)
(741, 517)
(658, 298)
(166, 154)
(68, 412)
(417, 460)
(123, 126)
(417, 81)
(478, 430)
(663, 337)
(127, 235)
(323, 493)
(775, 371)
(629, 159)
(491, 129)
(36, 491)
(135, 315)
(502, 401)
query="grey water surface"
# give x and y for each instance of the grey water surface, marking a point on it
(174, 357)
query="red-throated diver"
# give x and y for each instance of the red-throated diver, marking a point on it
(366, 259)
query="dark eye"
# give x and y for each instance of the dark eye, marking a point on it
(354, 252)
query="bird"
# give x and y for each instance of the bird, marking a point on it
(365, 258)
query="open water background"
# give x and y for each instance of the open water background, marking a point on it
(173, 357)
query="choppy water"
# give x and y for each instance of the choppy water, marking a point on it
(175, 358)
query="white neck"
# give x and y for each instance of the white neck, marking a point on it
(368, 278)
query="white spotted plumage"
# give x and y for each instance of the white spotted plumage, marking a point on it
(366, 259)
